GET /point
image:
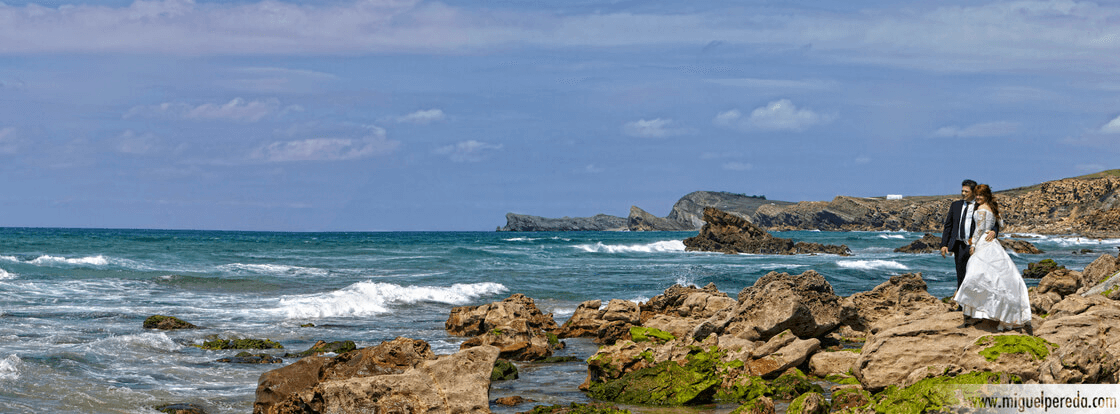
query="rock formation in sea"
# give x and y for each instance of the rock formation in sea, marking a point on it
(931, 244)
(686, 215)
(1087, 205)
(729, 233)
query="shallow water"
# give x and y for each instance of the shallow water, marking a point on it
(72, 302)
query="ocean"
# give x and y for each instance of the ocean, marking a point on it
(73, 301)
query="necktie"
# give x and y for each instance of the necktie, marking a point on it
(966, 220)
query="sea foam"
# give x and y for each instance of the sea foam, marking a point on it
(9, 368)
(655, 247)
(871, 264)
(371, 298)
(272, 269)
(5, 275)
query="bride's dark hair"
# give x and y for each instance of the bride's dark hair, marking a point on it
(986, 191)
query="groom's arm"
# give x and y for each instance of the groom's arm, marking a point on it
(948, 230)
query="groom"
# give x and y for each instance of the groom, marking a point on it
(958, 228)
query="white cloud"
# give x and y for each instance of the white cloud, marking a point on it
(987, 129)
(777, 115)
(1112, 127)
(863, 159)
(8, 141)
(591, 169)
(328, 149)
(1006, 34)
(737, 166)
(235, 110)
(467, 151)
(129, 142)
(421, 117)
(652, 128)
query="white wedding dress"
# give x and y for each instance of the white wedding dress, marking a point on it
(992, 286)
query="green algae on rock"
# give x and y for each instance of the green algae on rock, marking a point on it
(216, 344)
(1015, 344)
(323, 347)
(503, 370)
(935, 394)
(760, 405)
(809, 403)
(167, 323)
(850, 399)
(644, 334)
(793, 383)
(667, 383)
(574, 408)
(747, 388)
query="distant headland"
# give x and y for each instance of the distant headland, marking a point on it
(1088, 205)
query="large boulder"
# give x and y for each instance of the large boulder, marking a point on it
(927, 244)
(517, 312)
(687, 301)
(900, 296)
(1088, 331)
(584, 322)
(804, 304)
(730, 233)
(293, 385)
(1019, 246)
(457, 383)
(931, 344)
(1100, 270)
(515, 325)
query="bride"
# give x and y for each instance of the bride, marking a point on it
(992, 286)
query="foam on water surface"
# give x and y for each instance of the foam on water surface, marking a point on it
(373, 298)
(871, 264)
(655, 247)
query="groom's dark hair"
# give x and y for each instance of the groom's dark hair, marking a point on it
(971, 184)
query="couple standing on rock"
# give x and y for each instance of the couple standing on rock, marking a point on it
(989, 285)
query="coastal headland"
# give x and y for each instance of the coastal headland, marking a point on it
(1087, 205)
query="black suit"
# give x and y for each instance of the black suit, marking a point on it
(951, 237)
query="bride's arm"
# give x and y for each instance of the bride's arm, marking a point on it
(983, 226)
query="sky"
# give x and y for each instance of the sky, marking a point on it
(385, 115)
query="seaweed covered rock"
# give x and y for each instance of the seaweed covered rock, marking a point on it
(937, 394)
(575, 408)
(760, 405)
(666, 383)
(729, 233)
(1036, 270)
(167, 323)
(181, 408)
(251, 358)
(216, 343)
(323, 347)
(503, 371)
(809, 403)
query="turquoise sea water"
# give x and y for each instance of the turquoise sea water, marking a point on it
(72, 301)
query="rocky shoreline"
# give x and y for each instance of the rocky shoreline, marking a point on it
(774, 343)
(1088, 206)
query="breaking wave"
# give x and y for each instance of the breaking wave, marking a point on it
(655, 247)
(371, 298)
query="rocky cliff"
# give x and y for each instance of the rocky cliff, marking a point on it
(1087, 205)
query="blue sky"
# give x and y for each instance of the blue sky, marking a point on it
(421, 115)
